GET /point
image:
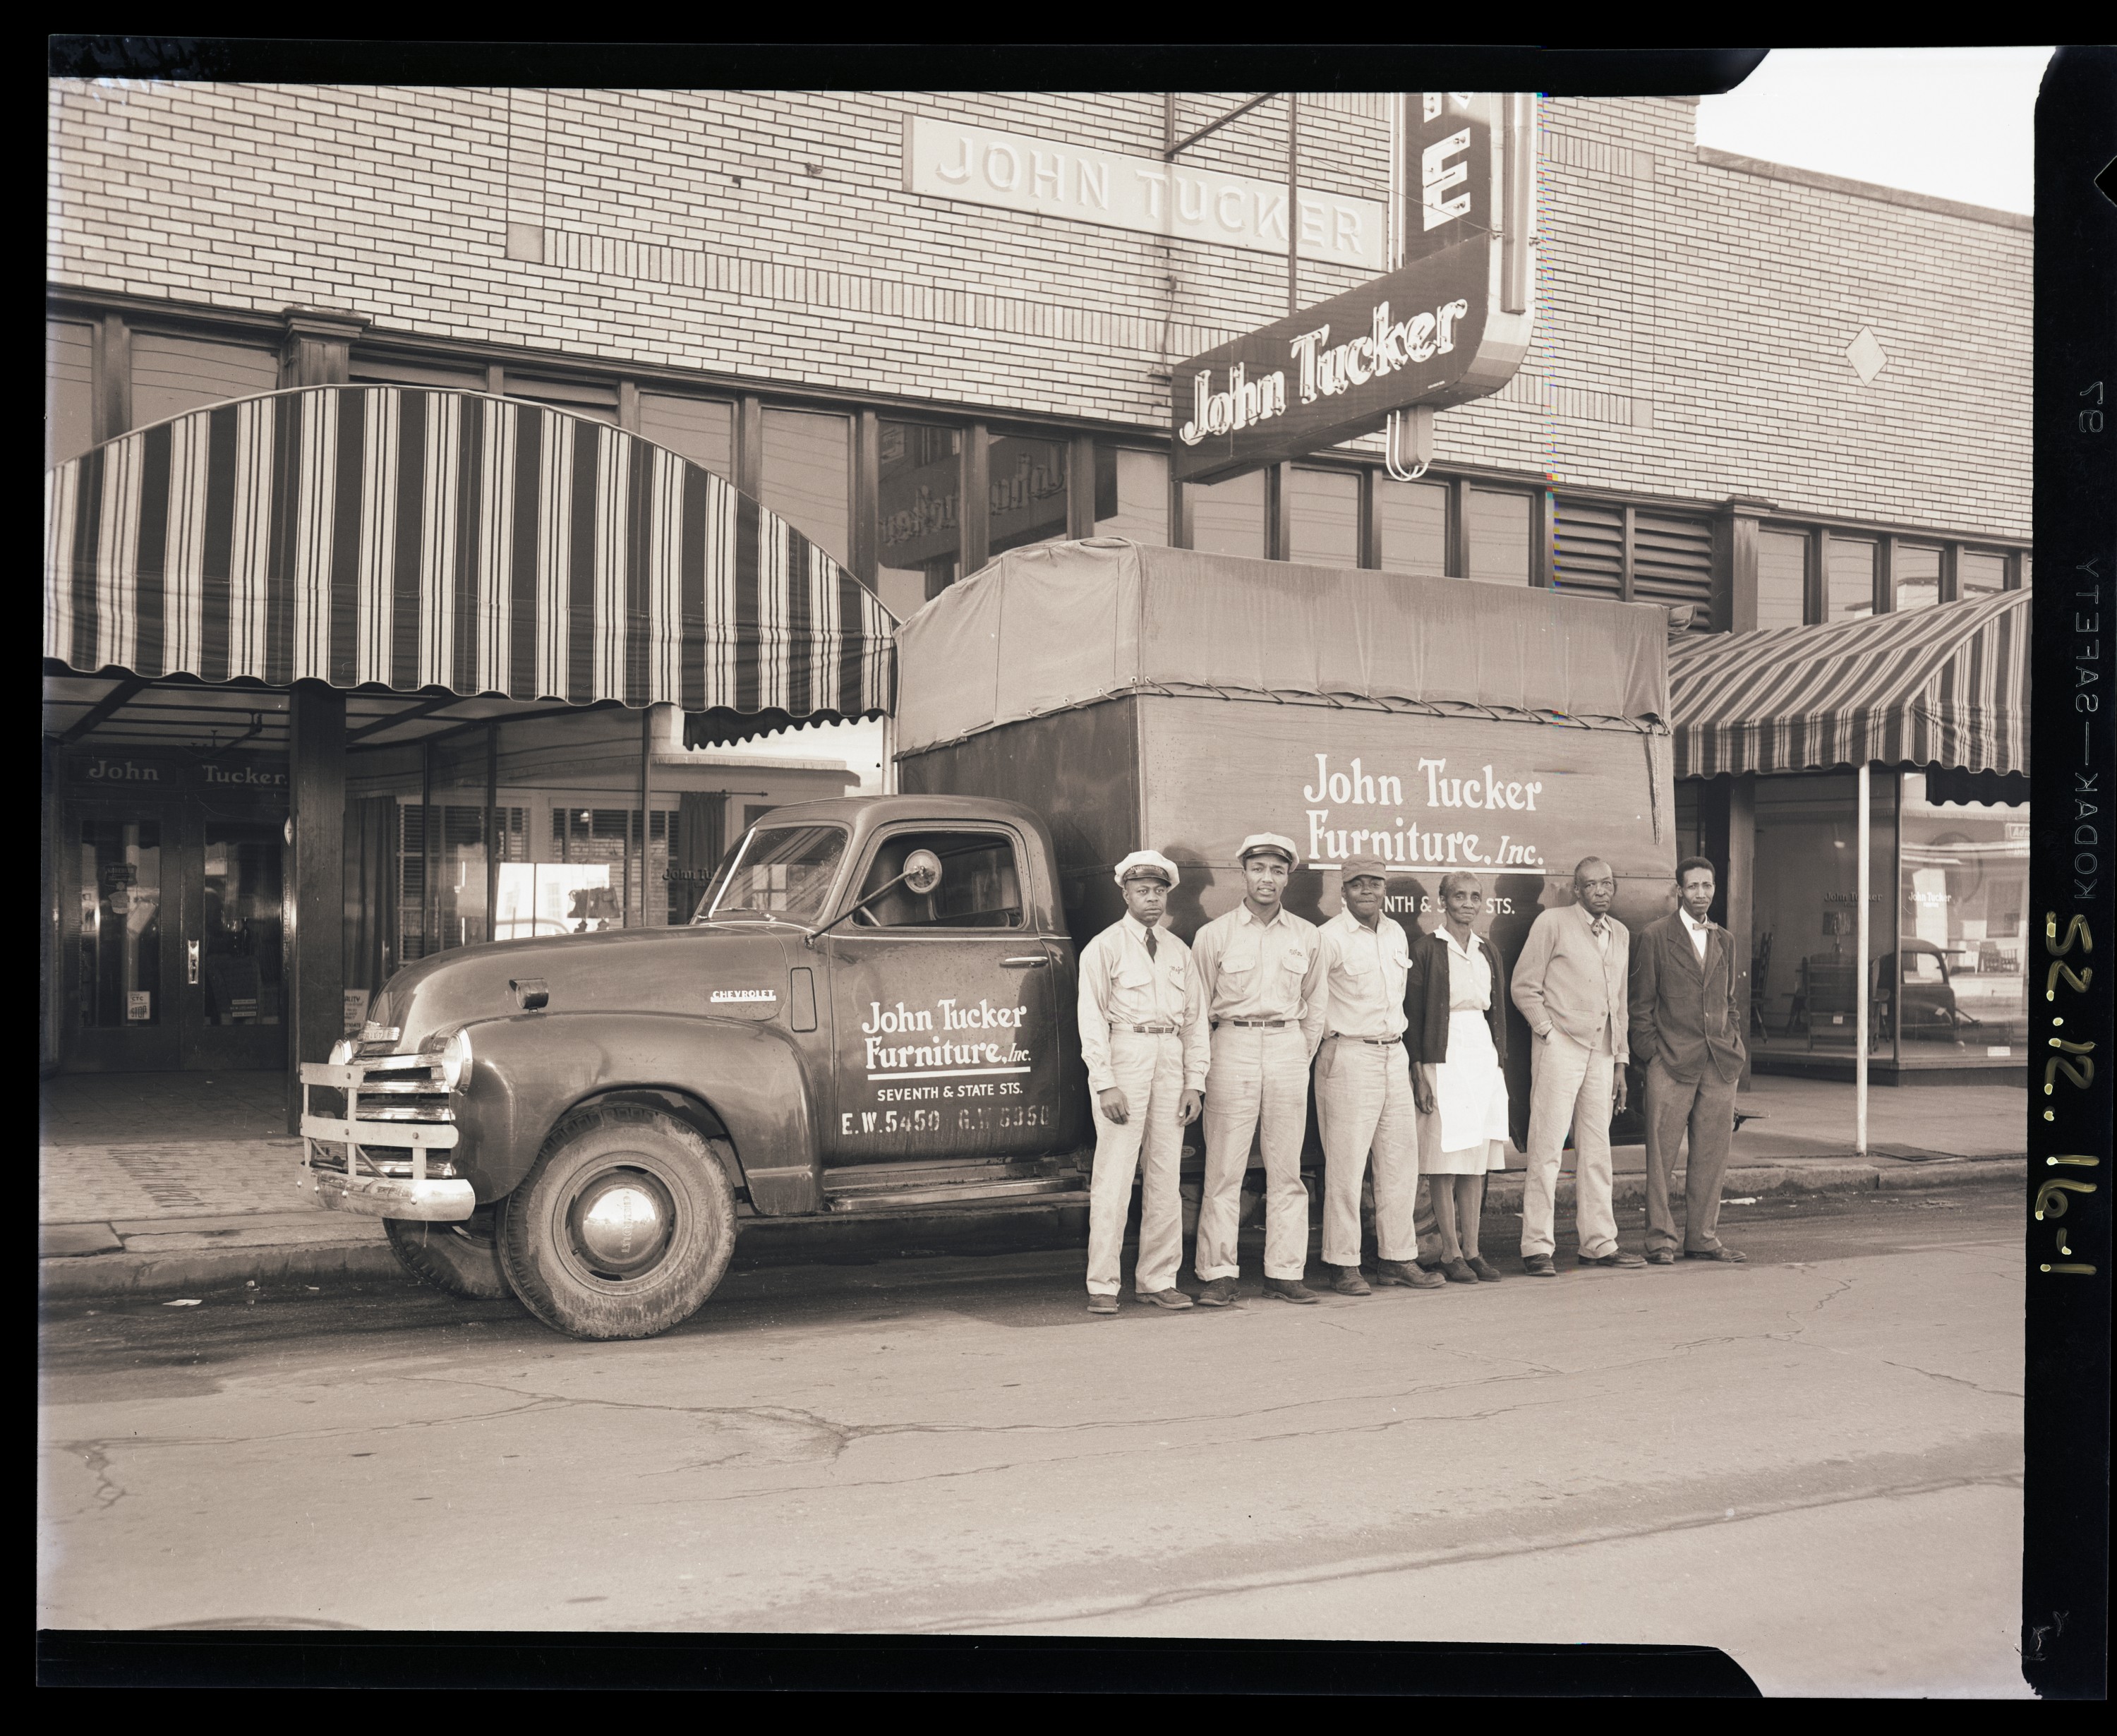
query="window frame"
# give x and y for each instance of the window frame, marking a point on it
(897, 829)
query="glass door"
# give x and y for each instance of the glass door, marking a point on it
(124, 1004)
(233, 945)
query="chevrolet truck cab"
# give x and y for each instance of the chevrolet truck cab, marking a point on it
(872, 1011)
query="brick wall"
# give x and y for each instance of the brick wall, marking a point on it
(1694, 311)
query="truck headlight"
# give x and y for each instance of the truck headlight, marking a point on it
(343, 1050)
(452, 1051)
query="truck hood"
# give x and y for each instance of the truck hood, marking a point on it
(734, 970)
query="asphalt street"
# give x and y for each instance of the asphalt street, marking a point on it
(1813, 1461)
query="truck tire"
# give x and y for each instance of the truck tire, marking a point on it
(462, 1259)
(623, 1226)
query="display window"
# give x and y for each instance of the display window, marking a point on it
(1960, 973)
(1805, 963)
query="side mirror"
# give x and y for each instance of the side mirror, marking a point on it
(922, 871)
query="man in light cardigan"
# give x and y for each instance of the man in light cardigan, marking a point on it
(1570, 985)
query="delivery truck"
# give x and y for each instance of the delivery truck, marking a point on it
(872, 1013)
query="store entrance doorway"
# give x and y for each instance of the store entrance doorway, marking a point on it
(178, 939)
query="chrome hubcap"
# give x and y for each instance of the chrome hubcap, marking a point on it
(620, 1223)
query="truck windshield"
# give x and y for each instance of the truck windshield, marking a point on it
(783, 871)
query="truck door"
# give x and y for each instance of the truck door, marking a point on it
(943, 1009)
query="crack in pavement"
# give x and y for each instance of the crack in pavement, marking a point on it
(94, 1454)
(1953, 1380)
(1469, 1553)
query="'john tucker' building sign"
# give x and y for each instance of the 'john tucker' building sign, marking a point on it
(1449, 323)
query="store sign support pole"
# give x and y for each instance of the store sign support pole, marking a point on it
(1860, 992)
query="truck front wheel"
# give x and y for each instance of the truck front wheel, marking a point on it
(622, 1228)
(462, 1259)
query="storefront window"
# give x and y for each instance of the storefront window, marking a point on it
(1025, 491)
(702, 429)
(1782, 579)
(1917, 571)
(807, 476)
(1850, 588)
(121, 922)
(240, 922)
(1131, 496)
(920, 538)
(1806, 910)
(1324, 506)
(1961, 991)
(1228, 518)
(1414, 525)
(1499, 537)
(1978, 573)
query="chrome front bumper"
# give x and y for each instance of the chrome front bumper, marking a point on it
(376, 1166)
(385, 1196)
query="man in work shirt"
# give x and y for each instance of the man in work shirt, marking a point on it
(1569, 983)
(1260, 972)
(1143, 1036)
(1364, 1094)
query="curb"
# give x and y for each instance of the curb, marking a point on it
(118, 1274)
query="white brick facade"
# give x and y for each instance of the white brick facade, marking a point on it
(1695, 312)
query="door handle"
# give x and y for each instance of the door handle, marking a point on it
(1034, 961)
(191, 962)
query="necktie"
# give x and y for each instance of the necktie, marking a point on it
(1600, 927)
(1150, 943)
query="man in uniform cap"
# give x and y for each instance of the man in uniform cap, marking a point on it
(1260, 972)
(1363, 1092)
(1143, 1036)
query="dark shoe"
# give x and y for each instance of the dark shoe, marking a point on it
(1347, 1281)
(1289, 1290)
(1458, 1272)
(1726, 1256)
(1661, 1256)
(1102, 1304)
(1540, 1266)
(1487, 1273)
(1409, 1273)
(1216, 1293)
(1617, 1257)
(1170, 1298)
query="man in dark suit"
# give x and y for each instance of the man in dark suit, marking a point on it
(1687, 1028)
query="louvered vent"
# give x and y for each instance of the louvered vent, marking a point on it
(1671, 556)
(1588, 548)
(1672, 562)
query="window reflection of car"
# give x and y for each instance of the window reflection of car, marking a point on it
(522, 928)
(1928, 1006)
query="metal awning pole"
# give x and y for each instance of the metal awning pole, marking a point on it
(1860, 992)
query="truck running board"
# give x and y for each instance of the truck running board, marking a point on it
(925, 1187)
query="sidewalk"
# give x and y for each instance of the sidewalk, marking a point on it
(150, 1182)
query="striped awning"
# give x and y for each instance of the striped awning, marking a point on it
(1945, 686)
(419, 538)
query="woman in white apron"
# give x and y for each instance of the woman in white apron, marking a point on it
(1457, 1037)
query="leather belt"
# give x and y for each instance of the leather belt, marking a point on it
(1256, 1024)
(1380, 1042)
(1149, 1030)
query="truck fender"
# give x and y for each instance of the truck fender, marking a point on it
(528, 1071)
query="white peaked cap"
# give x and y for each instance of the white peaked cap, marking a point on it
(1257, 841)
(1147, 859)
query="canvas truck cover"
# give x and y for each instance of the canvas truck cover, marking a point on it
(1161, 697)
(1061, 624)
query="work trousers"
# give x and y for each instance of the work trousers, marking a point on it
(1705, 1108)
(1570, 1086)
(1259, 1079)
(1363, 1103)
(1148, 1143)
